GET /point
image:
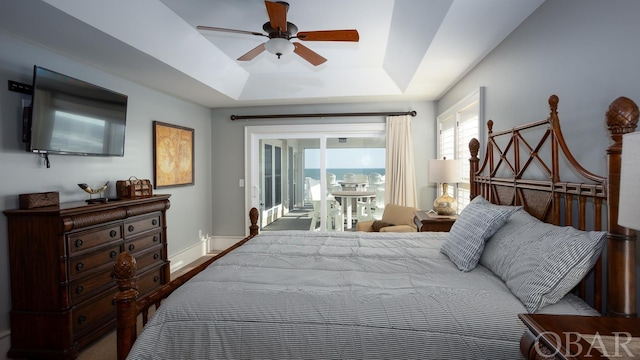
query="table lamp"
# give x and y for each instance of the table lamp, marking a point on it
(445, 171)
(629, 207)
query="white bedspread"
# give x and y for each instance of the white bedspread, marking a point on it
(304, 295)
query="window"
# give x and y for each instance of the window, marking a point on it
(456, 127)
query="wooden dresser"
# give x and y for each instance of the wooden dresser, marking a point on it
(61, 261)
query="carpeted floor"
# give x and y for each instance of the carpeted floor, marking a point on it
(101, 349)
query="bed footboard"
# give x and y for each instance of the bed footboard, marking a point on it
(129, 307)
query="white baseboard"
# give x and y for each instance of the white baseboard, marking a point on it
(188, 255)
(203, 247)
(219, 243)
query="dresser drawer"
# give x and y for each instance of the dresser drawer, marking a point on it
(143, 243)
(94, 313)
(80, 265)
(86, 240)
(149, 258)
(140, 225)
(90, 285)
(150, 280)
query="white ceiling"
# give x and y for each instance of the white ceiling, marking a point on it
(408, 49)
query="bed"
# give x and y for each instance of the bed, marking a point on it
(410, 295)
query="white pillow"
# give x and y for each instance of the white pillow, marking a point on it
(539, 262)
(475, 224)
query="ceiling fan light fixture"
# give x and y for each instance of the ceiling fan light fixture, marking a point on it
(279, 46)
(280, 31)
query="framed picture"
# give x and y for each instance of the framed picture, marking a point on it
(173, 155)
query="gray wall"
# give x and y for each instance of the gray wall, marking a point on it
(584, 51)
(23, 172)
(228, 150)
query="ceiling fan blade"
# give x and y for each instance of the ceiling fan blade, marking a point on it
(329, 35)
(277, 15)
(252, 53)
(311, 56)
(211, 28)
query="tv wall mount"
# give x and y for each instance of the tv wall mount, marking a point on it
(20, 87)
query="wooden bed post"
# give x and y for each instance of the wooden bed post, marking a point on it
(622, 118)
(253, 217)
(474, 146)
(126, 299)
(124, 271)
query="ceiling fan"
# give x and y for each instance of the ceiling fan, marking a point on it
(280, 32)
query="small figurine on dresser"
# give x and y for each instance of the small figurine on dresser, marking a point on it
(92, 192)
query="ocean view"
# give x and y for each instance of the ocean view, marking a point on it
(314, 173)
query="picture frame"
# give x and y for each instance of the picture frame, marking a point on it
(173, 155)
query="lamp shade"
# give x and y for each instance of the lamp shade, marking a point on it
(279, 46)
(445, 171)
(629, 207)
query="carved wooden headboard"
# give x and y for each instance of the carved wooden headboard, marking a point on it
(523, 166)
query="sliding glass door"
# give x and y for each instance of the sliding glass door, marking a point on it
(271, 186)
(355, 172)
(293, 172)
(282, 188)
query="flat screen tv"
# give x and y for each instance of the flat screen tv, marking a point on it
(70, 116)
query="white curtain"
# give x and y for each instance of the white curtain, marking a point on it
(400, 179)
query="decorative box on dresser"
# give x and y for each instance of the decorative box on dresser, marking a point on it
(61, 260)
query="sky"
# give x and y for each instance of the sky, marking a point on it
(347, 158)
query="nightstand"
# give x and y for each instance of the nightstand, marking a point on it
(430, 222)
(579, 337)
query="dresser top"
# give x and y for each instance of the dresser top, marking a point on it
(71, 208)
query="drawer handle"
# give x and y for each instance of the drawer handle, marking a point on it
(82, 318)
(156, 256)
(131, 247)
(79, 266)
(79, 289)
(113, 254)
(113, 233)
(155, 238)
(79, 243)
(156, 279)
(154, 222)
(130, 228)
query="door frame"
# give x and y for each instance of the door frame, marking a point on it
(253, 135)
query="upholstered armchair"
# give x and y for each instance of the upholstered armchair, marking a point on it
(395, 218)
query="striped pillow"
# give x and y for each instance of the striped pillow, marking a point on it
(541, 262)
(475, 224)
